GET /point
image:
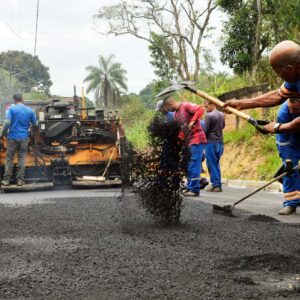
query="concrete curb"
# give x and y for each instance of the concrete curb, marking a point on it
(274, 187)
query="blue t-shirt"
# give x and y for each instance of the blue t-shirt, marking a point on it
(20, 117)
(169, 116)
(289, 140)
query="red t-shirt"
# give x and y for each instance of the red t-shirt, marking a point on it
(187, 113)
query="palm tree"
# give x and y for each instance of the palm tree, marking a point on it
(107, 81)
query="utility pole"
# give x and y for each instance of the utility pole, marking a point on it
(36, 26)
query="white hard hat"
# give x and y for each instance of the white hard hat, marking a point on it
(159, 105)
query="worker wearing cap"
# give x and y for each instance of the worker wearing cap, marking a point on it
(285, 61)
(160, 108)
(189, 115)
(17, 122)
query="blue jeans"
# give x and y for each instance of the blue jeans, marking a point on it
(213, 153)
(194, 168)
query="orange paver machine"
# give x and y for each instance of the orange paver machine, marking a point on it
(73, 146)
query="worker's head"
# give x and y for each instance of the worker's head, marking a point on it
(294, 105)
(170, 104)
(285, 60)
(18, 98)
(209, 106)
(160, 107)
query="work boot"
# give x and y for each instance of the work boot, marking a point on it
(288, 210)
(203, 183)
(215, 189)
(20, 182)
(190, 194)
(5, 182)
(184, 191)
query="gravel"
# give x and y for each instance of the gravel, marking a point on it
(104, 248)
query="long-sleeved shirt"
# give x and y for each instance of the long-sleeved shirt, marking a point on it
(187, 113)
(214, 125)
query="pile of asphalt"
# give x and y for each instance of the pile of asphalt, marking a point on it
(104, 248)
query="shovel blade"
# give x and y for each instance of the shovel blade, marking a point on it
(226, 210)
(170, 89)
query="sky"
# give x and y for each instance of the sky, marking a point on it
(67, 41)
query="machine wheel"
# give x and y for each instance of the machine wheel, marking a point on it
(127, 155)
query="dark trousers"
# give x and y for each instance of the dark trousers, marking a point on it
(213, 153)
(13, 147)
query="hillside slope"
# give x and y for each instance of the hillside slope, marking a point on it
(253, 158)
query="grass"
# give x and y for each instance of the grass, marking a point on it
(242, 135)
(137, 134)
(136, 120)
(272, 161)
(266, 146)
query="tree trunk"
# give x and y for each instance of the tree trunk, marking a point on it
(257, 38)
(105, 93)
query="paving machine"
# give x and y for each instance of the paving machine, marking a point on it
(73, 146)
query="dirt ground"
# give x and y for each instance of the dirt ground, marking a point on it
(103, 248)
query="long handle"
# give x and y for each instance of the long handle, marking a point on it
(221, 104)
(264, 186)
(109, 162)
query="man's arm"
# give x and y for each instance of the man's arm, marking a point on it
(197, 111)
(207, 124)
(269, 99)
(5, 128)
(33, 120)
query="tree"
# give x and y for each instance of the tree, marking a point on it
(183, 24)
(254, 26)
(29, 70)
(164, 59)
(107, 81)
(244, 43)
(9, 85)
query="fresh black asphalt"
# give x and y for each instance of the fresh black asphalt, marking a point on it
(104, 247)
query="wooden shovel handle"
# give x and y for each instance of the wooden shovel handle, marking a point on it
(221, 104)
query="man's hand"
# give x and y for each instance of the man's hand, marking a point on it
(237, 104)
(190, 126)
(270, 127)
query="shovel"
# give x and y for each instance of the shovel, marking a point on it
(188, 86)
(227, 209)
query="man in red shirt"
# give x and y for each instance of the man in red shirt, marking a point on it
(189, 115)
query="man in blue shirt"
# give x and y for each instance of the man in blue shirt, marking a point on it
(285, 61)
(288, 146)
(17, 122)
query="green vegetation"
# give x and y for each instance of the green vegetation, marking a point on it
(241, 135)
(35, 95)
(28, 70)
(136, 118)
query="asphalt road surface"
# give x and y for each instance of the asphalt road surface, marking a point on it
(91, 244)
